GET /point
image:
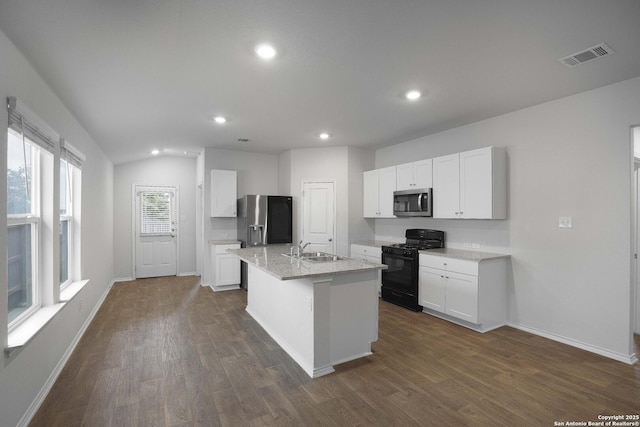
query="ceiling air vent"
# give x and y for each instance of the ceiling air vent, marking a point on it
(594, 52)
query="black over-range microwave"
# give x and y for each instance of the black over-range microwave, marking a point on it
(414, 202)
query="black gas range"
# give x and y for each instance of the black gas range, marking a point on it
(400, 279)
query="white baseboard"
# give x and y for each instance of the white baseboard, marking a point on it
(122, 279)
(190, 273)
(46, 388)
(630, 359)
(225, 288)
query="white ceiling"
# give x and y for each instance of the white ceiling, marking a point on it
(141, 74)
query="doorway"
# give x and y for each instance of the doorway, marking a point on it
(155, 232)
(319, 215)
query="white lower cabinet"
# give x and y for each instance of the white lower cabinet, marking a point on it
(370, 254)
(471, 293)
(225, 267)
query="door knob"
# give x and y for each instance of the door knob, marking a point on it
(330, 239)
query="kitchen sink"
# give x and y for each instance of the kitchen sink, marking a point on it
(316, 256)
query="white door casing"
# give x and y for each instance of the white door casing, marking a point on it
(155, 231)
(319, 216)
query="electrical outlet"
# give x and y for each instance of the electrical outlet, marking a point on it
(565, 222)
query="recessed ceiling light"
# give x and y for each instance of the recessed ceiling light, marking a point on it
(155, 152)
(412, 95)
(266, 51)
(220, 119)
(324, 135)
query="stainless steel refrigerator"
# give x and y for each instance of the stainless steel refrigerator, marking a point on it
(264, 220)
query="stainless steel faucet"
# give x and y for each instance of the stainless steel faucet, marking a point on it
(301, 247)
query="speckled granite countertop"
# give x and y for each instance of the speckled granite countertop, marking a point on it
(270, 259)
(373, 243)
(463, 254)
(224, 242)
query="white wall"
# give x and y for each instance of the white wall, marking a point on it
(171, 171)
(257, 174)
(22, 377)
(359, 160)
(569, 157)
(284, 174)
(327, 163)
(345, 166)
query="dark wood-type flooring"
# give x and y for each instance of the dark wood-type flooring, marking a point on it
(167, 352)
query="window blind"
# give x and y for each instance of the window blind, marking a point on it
(156, 212)
(27, 123)
(69, 153)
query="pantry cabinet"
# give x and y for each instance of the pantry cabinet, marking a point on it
(468, 292)
(414, 175)
(471, 184)
(379, 185)
(223, 193)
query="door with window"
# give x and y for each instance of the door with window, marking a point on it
(155, 231)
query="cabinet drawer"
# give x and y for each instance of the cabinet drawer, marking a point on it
(360, 251)
(220, 249)
(449, 264)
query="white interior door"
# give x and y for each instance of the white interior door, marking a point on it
(318, 216)
(155, 231)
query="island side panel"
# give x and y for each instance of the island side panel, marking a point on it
(354, 315)
(285, 310)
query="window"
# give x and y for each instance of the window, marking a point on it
(66, 213)
(70, 185)
(40, 236)
(22, 221)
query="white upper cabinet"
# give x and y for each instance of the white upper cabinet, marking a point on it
(471, 184)
(414, 175)
(379, 185)
(223, 193)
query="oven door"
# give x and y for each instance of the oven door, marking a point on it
(401, 274)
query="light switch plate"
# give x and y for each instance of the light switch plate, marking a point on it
(565, 222)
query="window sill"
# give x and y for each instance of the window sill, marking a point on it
(29, 328)
(71, 290)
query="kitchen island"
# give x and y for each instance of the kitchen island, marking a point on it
(320, 313)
